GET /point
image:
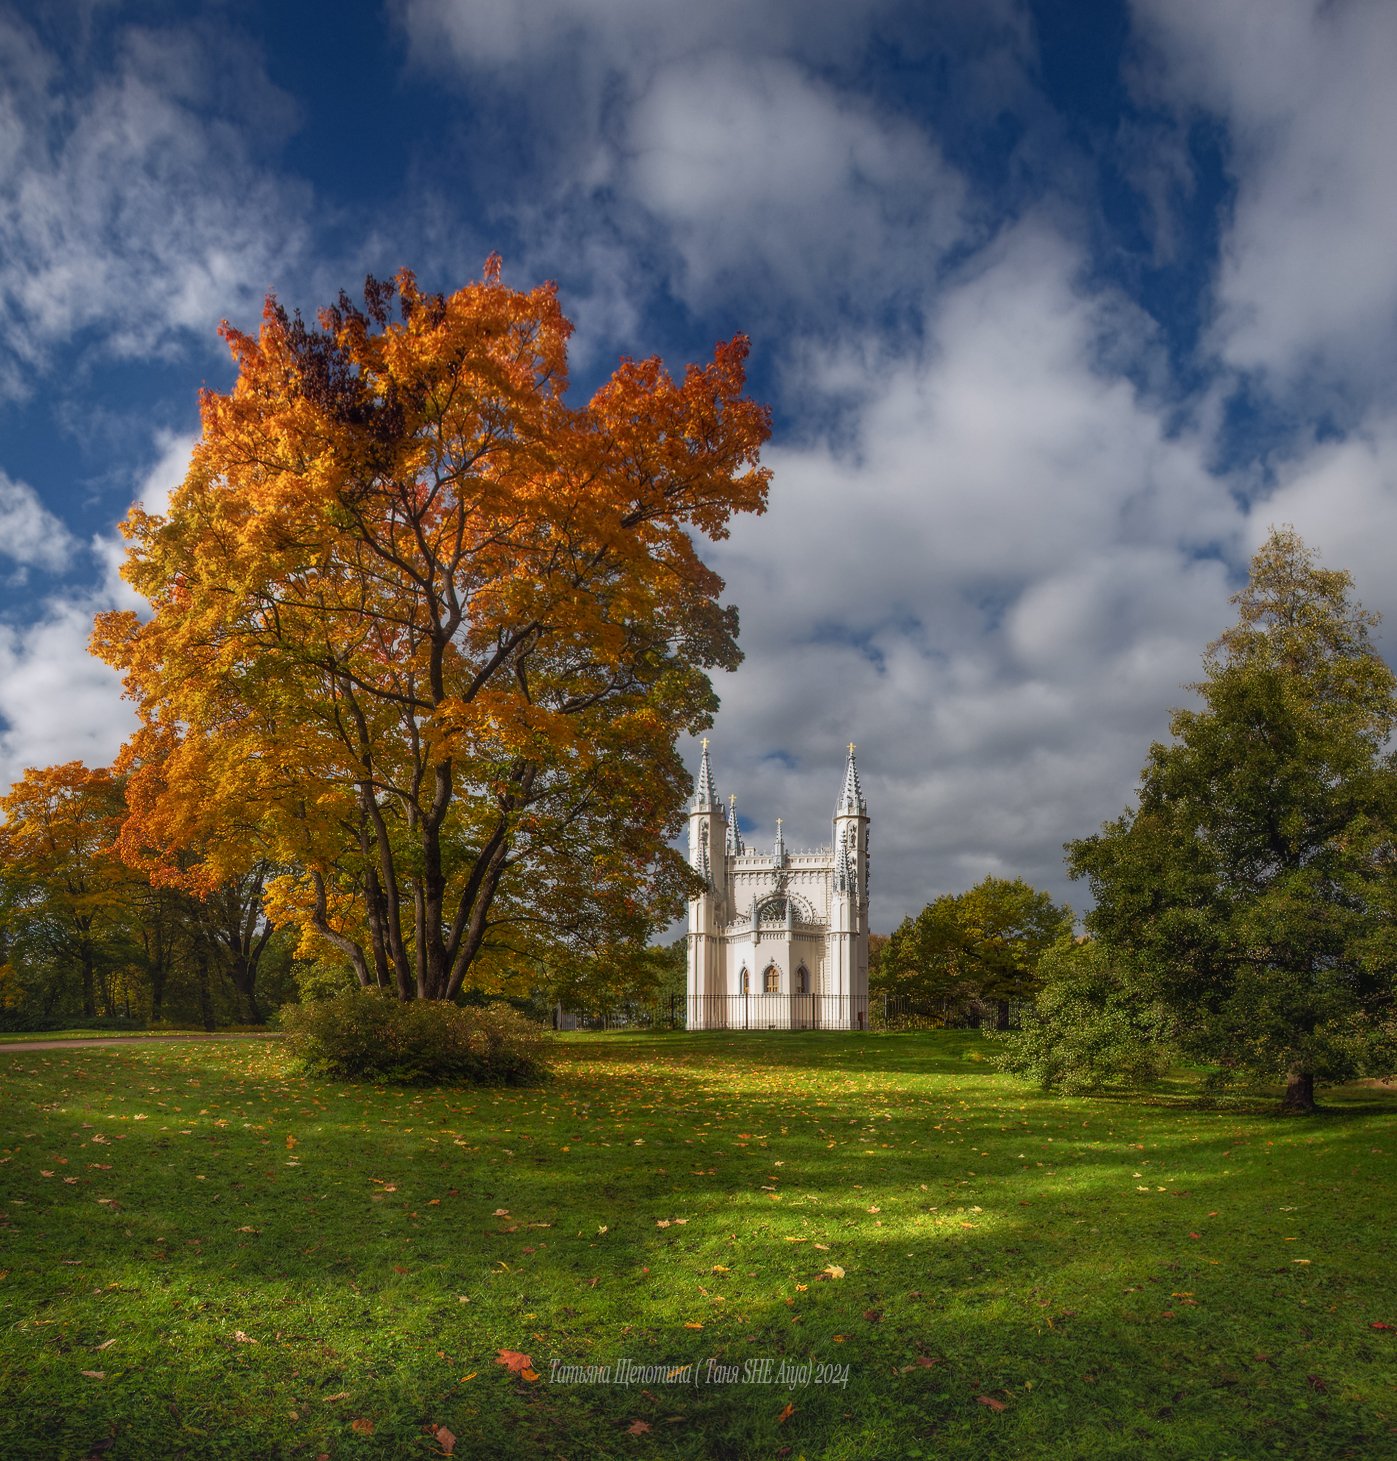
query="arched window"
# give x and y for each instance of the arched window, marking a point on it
(771, 980)
(802, 980)
(746, 982)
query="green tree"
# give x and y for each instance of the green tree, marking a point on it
(1252, 890)
(1088, 1027)
(974, 948)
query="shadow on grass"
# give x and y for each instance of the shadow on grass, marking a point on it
(665, 1201)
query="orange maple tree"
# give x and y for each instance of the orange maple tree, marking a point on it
(56, 848)
(423, 635)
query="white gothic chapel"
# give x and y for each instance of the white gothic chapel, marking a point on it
(778, 940)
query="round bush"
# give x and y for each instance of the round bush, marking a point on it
(368, 1035)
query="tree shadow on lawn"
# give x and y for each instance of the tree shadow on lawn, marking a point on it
(1005, 1257)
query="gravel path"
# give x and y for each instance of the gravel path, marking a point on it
(107, 1042)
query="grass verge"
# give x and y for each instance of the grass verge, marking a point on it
(207, 1255)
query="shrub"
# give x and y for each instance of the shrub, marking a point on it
(1090, 1027)
(366, 1035)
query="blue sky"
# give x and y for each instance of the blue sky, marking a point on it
(1059, 306)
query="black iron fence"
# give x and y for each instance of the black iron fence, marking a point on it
(784, 1012)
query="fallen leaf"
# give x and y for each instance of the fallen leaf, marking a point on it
(363, 1426)
(924, 1362)
(787, 1411)
(637, 1428)
(1380, 1325)
(330, 1399)
(243, 1338)
(466, 1379)
(445, 1439)
(95, 1374)
(513, 1361)
(291, 1143)
(990, 1401)
(833, 1270)
(107, 1343)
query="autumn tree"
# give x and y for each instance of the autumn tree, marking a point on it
(423, 635)
(68, 897)
(979, 947)
(1253, 890)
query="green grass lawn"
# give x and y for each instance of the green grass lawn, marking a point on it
(206, 1255)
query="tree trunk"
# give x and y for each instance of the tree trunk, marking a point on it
(1299, 1093)
(1001, 1014)
(89, 986)
(201, 969)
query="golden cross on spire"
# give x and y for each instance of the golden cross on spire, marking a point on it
(851, 747)
(732, 798)
(705, 743)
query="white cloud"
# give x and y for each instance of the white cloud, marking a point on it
(57, 703)
(729, 153)
(765, 176)
(1308, 279)
(29, 533)
(999, 586)
(1342, 499)
(132, 205)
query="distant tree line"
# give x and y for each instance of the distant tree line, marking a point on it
(86, 937)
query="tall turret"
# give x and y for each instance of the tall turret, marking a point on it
(849, 903)
(708, 850)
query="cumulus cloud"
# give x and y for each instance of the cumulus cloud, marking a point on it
(765, 175)
(57, 703)
(1307, 282)
(132, 203)
(29, 533)
(727, 153)
(1341, 496)
(999, 586)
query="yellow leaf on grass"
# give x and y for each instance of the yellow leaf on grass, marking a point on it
(834, 1270)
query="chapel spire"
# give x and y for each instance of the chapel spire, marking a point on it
(705, 793)
(851, 802)
(734, 844)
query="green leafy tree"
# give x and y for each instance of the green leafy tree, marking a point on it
(1252, 890)
(965, 950)
(1088, 1027)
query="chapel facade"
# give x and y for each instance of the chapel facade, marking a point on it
(779, 939)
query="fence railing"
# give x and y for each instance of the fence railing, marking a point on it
(778, 1012)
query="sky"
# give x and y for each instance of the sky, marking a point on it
(1059, 307)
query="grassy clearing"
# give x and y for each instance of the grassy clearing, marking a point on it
(253, 1264)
